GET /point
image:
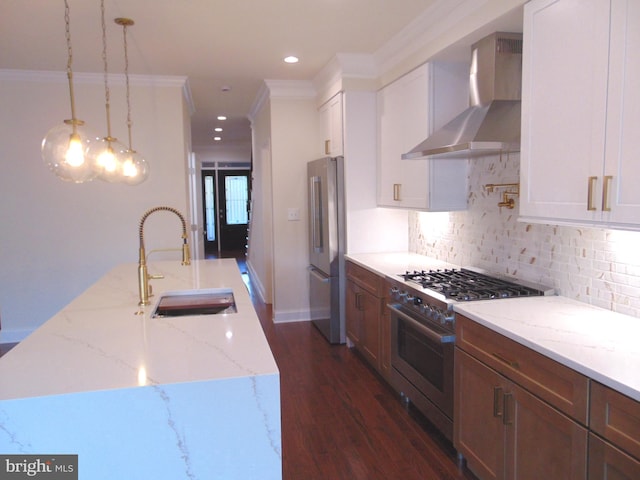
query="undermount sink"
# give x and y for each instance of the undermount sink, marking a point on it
(185, 303)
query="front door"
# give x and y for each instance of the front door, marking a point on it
(226, 210)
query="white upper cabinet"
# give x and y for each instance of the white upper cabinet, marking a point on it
(331, 126)
(622, 166)
(407, 113)
(580, 113)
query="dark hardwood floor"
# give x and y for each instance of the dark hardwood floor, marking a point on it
(341, 421)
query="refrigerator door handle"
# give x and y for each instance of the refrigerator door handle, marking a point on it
(316, 213)
(316, 273)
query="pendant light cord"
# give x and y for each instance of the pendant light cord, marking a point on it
(67, 21)
(107, 96)
(126, 76)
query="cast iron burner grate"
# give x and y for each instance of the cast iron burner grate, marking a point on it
(467, 285)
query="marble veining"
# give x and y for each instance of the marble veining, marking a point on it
(104, 380)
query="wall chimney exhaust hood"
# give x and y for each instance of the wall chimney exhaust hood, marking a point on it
(491, 124)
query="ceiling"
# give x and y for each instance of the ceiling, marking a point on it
(217, 44)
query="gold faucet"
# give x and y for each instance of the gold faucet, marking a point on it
(144, 288)
(507, 196)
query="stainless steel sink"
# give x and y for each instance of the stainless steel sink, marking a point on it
(184, 303)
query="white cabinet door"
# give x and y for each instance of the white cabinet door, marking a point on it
(403, 116)
(406, 110)
(621, 198)
(564, 98)
(331, 126)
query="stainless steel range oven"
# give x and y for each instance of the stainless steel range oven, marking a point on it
(423, 333)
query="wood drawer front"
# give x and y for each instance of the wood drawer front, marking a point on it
(615, 417)
(366, 279)
(606, 462)
(560, 386)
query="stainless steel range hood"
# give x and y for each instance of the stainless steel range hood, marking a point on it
(492, 122)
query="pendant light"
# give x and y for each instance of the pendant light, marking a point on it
(65, 147)
(135, 169)
(107, 151)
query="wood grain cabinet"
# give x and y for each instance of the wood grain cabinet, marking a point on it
(614, 444)
(365, 301)
(517, 414)
(581, 113)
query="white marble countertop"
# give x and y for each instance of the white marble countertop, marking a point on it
(601, 344)
(598, 343)
(396, 263)
(102, 340)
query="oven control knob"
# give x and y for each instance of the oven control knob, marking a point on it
(409, 298)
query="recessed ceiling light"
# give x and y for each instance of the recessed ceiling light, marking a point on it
(291, 59)
(217, 129)
(222, 117)
(217, 139)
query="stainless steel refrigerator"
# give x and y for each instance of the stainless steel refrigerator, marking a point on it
(327, 246)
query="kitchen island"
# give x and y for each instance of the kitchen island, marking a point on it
(141, 397)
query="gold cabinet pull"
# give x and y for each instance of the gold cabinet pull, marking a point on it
(591, 186)
(511, 363)
(359, 301)
(327, 147)
(396, 192)
(508, 400)
(605, 193)
(497, 397)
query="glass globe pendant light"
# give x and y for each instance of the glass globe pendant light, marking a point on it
(135, 169)
(65, 147)
(107, 151)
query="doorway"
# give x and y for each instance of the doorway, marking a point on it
(226, 199)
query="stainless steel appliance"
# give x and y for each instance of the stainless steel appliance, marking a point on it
(326, 246)
(423, 332)
(491, 124)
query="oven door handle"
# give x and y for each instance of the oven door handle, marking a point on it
(432, 335)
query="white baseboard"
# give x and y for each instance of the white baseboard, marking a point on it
(291, 316)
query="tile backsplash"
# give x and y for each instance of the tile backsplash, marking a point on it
(597, 266)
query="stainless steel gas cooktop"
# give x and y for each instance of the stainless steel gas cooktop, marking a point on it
(467, 285)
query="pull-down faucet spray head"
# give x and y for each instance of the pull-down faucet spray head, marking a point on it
(144, 288)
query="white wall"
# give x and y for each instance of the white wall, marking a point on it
(369, 228)
(57, 238)
(596, 266)
(260, 247)
(294, 127)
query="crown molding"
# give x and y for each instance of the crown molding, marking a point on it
(261, 97)
(440, 16)
(294, 89)
(47, 76)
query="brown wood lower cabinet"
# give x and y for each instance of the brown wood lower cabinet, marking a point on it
(521, 415)
(614, 445)
(505, 432)
(365, 312)
(606, 462)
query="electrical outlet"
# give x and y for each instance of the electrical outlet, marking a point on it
(293, 214)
